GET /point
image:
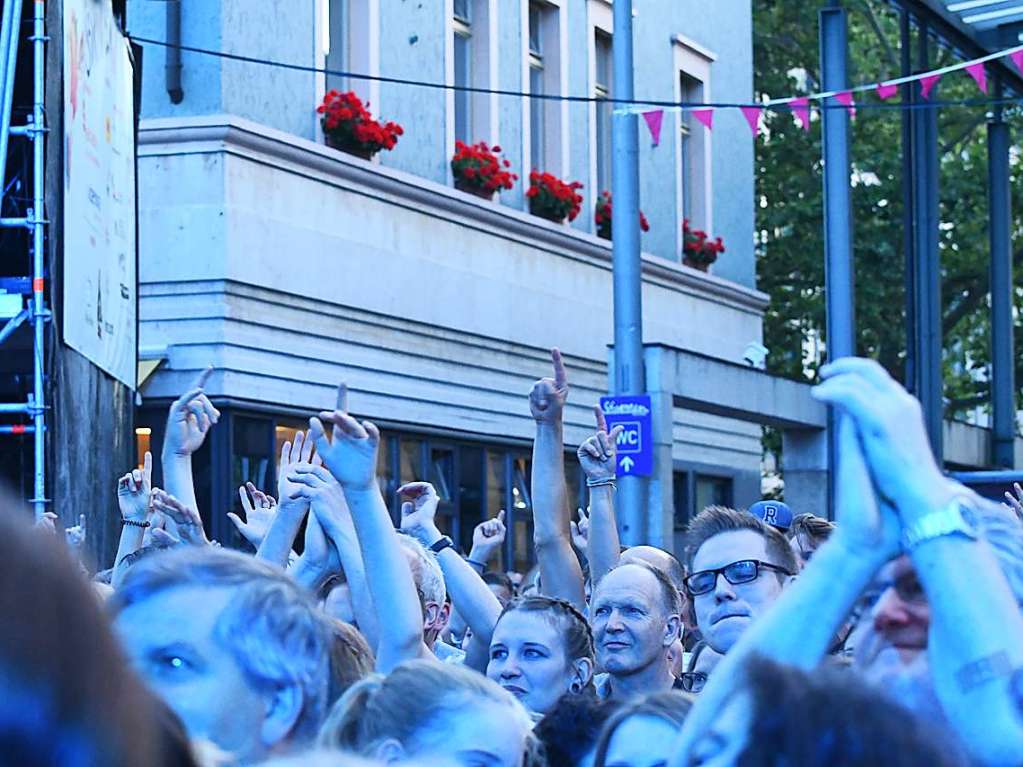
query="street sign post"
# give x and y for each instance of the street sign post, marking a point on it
(635, 443)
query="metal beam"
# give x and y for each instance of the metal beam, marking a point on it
(1003, 379)
(629, 376)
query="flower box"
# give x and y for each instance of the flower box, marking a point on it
(699, 251)
(553, 199)
(349, 127)
(480, 170)
(602, 217)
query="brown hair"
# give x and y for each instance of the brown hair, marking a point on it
(351, 659)
(715, 520)
(572, 626)
(671, 706)
(814, 528)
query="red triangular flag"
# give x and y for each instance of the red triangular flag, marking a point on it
(886, 90)
(752, 115)
(927, 85)
(845, 98)
(1017, 59)
(654, 120)
(977, 73)
(801, 109)
(706, 116)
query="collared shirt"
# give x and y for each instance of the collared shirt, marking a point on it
(602, 683)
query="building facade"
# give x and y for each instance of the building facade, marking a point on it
(291, 266)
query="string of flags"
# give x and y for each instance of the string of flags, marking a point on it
(801, 106)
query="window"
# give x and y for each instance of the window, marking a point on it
(352, 44)
(602, 90)
(692, 493)
(692, 93)
(537, 107)
(463, 29)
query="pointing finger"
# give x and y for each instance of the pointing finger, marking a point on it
(560, 378)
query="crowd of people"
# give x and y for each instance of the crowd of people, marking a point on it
(892, 635)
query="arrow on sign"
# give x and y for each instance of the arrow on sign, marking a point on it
(627, 464)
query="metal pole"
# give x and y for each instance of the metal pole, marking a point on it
(173, 52)
(1003, 383)
(629, 377)
(838, 259)
(928, 269)
(9, 54)
(908, 240)
(39, 313)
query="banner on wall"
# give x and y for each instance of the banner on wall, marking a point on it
(100, 280)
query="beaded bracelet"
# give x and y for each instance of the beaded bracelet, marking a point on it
(134, 523)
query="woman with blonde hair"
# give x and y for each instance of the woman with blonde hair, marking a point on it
(431, 713)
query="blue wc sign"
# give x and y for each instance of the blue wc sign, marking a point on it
(636, 442)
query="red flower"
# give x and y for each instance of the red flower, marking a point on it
(553, 198)
(480, 165)
(347, 121)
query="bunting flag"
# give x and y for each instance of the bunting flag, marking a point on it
(845, 98)
(706, 116)
(1017, 59)
(801, 109)
(927, 85)
(886, 90)
(654, 120)
(979, 75)
(752, 115)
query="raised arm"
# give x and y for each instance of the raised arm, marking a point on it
(328, 507)
(472, 597)
(292, 506)
(487, 538)
(259, 509)
(560, 573)
(133, 499)
(598, 458)
(976, 633)
(350, 454)
(189, 420)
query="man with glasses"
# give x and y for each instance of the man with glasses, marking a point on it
(737, 568)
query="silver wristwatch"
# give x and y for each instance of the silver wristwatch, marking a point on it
(957, 517)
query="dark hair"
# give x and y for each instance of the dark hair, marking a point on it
(69, 696)
(715, 520)
(671, 599)
(569, 731)
(499, 579)
(351, 659)
(841, 723)
(574, 628)
(817, 529)
(694, 656)
(670, 706)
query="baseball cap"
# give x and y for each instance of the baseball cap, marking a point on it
(774, 513)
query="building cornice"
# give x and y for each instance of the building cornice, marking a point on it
(229, 134)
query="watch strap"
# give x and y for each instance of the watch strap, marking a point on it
(443, 543)
(955, 518)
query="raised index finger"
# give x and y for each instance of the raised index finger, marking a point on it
(202, 378)
(560, 379)
(342, 397)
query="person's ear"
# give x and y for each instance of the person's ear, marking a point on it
(672, 629)
(582, 673)
(284, 707)
(389, 751)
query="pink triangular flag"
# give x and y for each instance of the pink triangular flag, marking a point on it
(801, 109)
(927, 85)
(886, 90)
(706, 116)
(1017, 59)
(752, 115)
(845, 98)
(654, 120)
(977, 73)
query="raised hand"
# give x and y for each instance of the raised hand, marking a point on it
(190, 419)
(1015, 503)
(47, 523)
(134, 490)
(315, 485)
(292, 454)
(350, 453)
(186, 519)
(418, 515)
(75, 535)
(547, 398)
(259, 513)
(598, 454)
(487, 537)
(581, 531)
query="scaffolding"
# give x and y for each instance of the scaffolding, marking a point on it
(35, 312)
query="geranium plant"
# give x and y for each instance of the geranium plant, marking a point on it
(552, 198)
(602, 217)
(348, 125)
(698, 249)
(480, 169)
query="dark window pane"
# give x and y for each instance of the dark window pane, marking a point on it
(463, 10)
(463, 52)
(535, 28)
(470, 494)
(536, 120)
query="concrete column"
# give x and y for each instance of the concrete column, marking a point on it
(660, 506)
(805, 463)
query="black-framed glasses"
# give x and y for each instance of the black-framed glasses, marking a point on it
(743, 571)
(693, 681)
